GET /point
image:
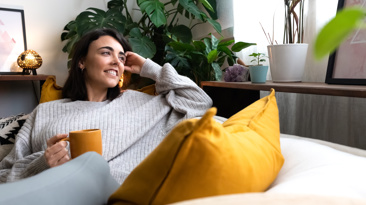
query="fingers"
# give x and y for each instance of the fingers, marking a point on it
(134, 62)
(55, 139)
(56, 152)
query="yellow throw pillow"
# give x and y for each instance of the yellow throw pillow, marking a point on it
(50, 90)
(201, 158)
(149, 89)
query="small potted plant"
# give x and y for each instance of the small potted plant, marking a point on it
(258, 72)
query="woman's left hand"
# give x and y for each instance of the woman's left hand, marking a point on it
(134, 62)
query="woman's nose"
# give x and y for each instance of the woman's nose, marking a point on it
(116, 60)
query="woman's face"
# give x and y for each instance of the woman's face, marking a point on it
(104, 63)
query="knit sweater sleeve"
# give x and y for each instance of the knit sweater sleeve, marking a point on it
(21, 162)
(181, 93)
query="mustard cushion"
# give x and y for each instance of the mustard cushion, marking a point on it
(201, 158)
(50, 90)
(149, 89)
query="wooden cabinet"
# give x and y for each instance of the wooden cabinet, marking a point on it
(231, 97)
(19, 93)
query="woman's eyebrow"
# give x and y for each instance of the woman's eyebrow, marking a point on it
(111, 49)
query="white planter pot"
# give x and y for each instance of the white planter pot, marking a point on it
(287, 62)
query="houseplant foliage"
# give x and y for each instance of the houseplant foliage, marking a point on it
(294, 21)
(158, 25)
(338, 29)
(202, 60)
(258, 58)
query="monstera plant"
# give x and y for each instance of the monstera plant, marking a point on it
(159, 24)
(159, 34)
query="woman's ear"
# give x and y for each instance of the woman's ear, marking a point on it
(81, 64)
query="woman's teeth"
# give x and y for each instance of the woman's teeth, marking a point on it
(112, 72)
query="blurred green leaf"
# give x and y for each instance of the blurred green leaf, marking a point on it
(337, 30)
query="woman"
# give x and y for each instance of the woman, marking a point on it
(132, 123)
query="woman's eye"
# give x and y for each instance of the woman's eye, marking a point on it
(122, 59)
(105, 53)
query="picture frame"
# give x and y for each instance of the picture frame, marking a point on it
(345, 65)
(13, 39)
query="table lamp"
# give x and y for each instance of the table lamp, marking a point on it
(29, 60)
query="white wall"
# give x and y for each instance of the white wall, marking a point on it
(44, 21)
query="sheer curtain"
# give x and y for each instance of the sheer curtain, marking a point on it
(314, 116)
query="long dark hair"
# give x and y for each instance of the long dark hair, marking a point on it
(75, 87)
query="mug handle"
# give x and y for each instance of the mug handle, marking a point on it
(65, 139)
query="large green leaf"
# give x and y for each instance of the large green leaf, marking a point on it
(176, 59)
(212, 56)
(207, 5)
(199, 45)
(183, 33)
(181, 46)
(237, 47)
(208, 45)
(213, 13)
(217, 71)
(141, 44)
(71, 35)
(214, 42)
(225, 49)
(226, 43)
(215, 25)
(192, 8)
(155, 10)
(337, 30)
(94, 18)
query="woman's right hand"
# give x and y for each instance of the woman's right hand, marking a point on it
(134, 62)
(56, 153)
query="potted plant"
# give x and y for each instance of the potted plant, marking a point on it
(258, 72)
(202, 60)
(287, 60)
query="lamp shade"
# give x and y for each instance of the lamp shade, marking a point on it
(29, 60)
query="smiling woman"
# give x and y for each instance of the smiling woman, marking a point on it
(132, 123)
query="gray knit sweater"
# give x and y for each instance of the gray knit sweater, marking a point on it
(132, 125)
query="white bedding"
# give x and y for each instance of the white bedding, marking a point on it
(313, 168)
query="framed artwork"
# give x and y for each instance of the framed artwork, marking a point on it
(12, 39)
(347, 65)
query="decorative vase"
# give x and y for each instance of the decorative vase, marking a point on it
(287, 62)
(258, 73)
